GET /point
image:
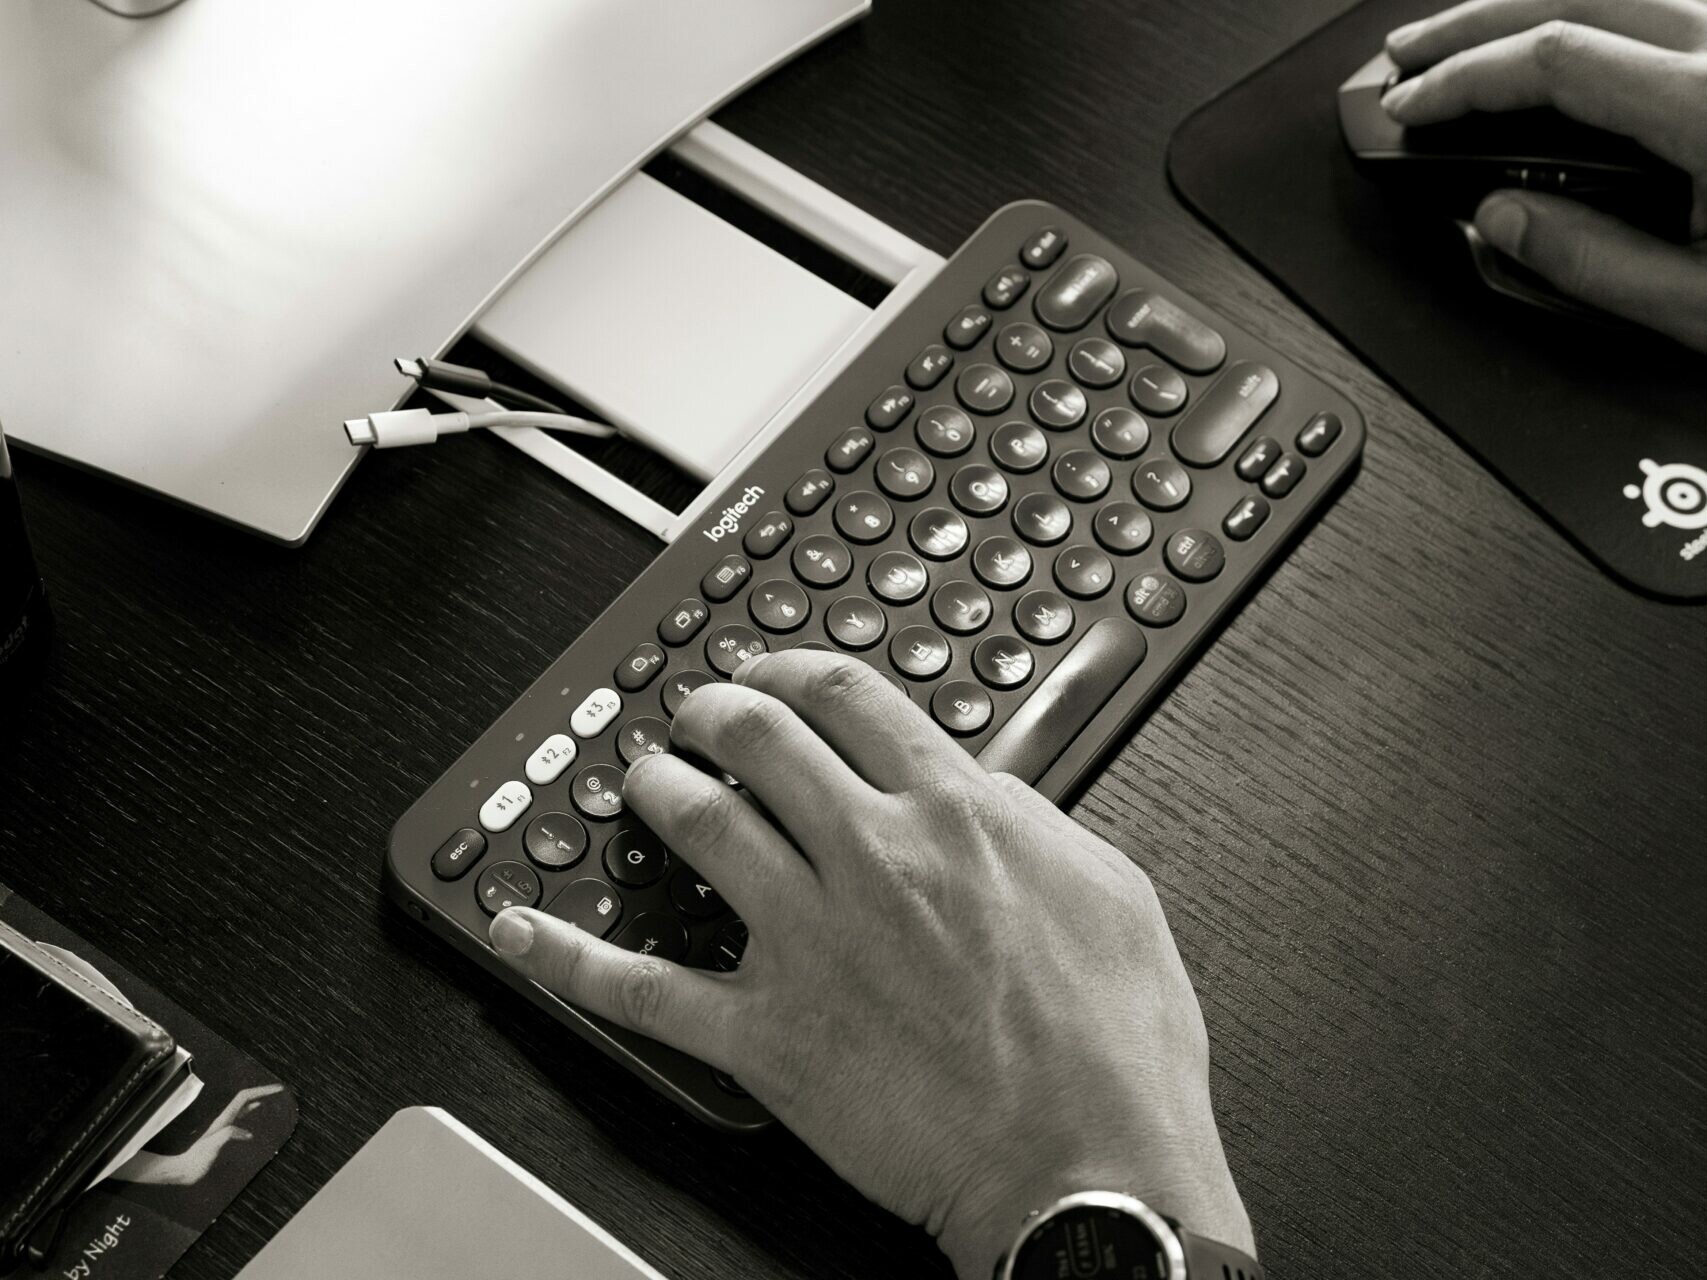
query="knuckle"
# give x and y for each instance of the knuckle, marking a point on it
(641, 989)
(845, 684)
(1555, 43)
(754, 725)
(708, 811)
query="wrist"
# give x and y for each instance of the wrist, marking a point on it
(1192, 1188)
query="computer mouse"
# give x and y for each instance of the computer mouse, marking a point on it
(1459, 162)
(1452, 167)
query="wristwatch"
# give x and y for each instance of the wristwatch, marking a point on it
(1104, 1235)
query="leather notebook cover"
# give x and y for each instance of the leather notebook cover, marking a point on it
(1566, 412)
(73, 1061)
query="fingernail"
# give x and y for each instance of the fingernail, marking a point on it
(511, 934)
(745, 670)
(1502, 222)
(1393, 101)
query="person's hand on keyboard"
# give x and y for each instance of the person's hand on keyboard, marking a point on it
(1637, 67)
(966, 1003)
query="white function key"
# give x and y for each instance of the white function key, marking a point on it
(505, 805)
(594, 715)
(555, 754)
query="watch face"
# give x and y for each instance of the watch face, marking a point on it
(1091, 1243)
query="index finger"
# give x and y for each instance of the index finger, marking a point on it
(884, 735)
(1669, 24)
(1592, 76)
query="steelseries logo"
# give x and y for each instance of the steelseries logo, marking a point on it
(731, 519)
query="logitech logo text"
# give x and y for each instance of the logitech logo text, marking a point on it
(730, 522)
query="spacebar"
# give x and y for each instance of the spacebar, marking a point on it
(1080, 686)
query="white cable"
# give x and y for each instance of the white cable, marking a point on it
(401, 427)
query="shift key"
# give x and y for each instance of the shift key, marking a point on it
(1225, 413)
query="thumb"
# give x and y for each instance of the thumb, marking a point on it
(1602, 261)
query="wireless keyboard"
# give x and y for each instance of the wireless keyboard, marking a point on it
(1028, 502)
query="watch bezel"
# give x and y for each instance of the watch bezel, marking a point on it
(1173, 1251)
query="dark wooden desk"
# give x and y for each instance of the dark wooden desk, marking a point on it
(1429, 818)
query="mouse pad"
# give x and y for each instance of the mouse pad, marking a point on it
(1602, 428)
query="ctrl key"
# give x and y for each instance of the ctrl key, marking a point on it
(506, 884)
(458, 854)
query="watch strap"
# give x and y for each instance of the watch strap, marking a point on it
(1207, 1259)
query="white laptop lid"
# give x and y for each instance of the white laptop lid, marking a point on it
(217, 225)
(427, 1199)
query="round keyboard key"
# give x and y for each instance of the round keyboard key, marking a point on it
(1023, 347)
(1001, 562)
(822, 561)
(636, 858)
(694, 896)
(1019, 447)
(589, 904)
(963, 332)
(945, 430)
(678, 686)
(779, 606)
(897, 577)
(962, 708)
(920, 653)
(1002, 662)
(985, 389)
(905, 473)
(850, 450)
(1081, 475)
(1058, 405)
(938, 533)
(1084, 572)
(642, 736)
(1043, 616)
(1156, 600)
(864, 517)
(1096, 362)
(1042, 518)
(1161, 484)
(855, 623)
(729, 946)
(730, 646)
(978, 490)
(506, 884)
(1158, 390)
(655, 933)
(597, 791)
(1123, 528)
(960, 608)
(1196, 555)
(1120, 433)
(555, 841)
(816, 646)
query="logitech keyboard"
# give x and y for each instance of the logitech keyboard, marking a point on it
(1028, 502)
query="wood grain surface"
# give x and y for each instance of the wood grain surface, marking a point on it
(1429, 817)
